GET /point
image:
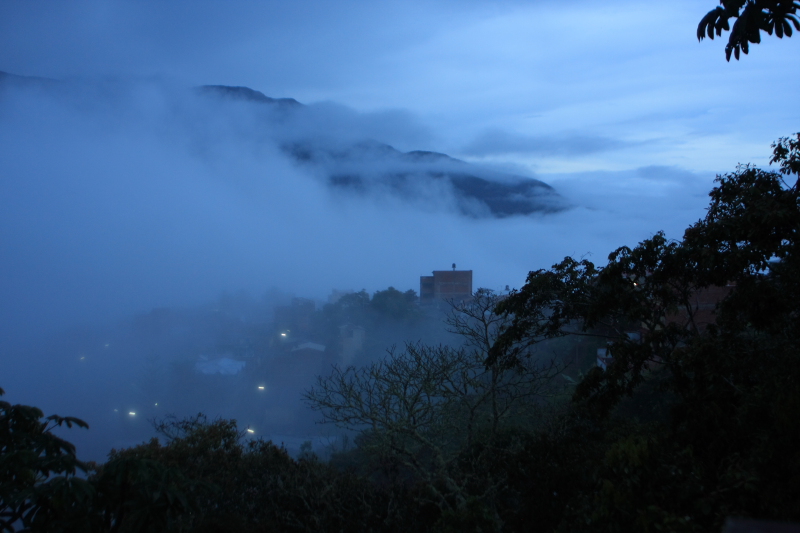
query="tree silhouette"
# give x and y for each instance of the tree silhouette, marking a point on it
(752, 17)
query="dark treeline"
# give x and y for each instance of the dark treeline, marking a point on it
(656, 393)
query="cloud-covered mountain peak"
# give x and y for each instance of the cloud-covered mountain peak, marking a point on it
(341, 148)
(247, 94)
(367, 168)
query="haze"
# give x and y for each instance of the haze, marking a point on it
(124, 189)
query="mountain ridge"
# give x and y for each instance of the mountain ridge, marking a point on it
(367, 168)
(477, 192)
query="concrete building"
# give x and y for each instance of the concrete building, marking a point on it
(453, 285)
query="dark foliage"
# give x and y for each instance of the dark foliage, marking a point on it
(233, 484)
(752, 17)
(39, 485)
(718, 383)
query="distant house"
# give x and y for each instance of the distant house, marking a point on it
(455, 285)
(703, 304)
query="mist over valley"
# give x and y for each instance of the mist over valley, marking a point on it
(132, 208)
(396, 266)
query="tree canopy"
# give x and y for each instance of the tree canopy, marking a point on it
(704, 341)
(752, 17)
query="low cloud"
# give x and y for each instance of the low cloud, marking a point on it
(499, 142)
(118, 198)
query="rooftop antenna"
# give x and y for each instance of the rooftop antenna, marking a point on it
(454, 267)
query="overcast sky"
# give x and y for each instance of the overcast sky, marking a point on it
(627, 80)
(614, 103)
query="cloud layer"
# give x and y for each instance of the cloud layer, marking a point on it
(621, 70)
(499, 142)
(121, 197)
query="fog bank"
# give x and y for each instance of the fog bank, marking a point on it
(119, 197)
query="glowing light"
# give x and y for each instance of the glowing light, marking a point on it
(83, 357)
(250, 431)
(261, 387)
(132, 413)
(283, 334)
(156, 404)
